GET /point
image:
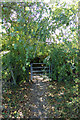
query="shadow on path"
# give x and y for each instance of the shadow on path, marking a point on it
(41, 99)
(38, 98)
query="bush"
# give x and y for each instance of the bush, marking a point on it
(63, 63)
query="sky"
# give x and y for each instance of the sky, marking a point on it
(47, 1)
(50, 1)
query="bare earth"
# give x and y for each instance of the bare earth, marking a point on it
(39, 105)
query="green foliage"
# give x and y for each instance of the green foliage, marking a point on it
(22, 37)
(60, 68)
(26, 35)
(63, 61)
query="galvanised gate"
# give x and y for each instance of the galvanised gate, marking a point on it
(40, 69)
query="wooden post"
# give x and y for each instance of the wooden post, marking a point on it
(14, 80)
(31, 72)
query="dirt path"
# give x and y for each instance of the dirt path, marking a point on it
(41, 99)
(29, 100)
(38, 98)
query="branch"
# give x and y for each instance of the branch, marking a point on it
(12, 75)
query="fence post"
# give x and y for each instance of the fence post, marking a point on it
(31, 72)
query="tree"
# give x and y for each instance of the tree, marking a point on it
(27, 28)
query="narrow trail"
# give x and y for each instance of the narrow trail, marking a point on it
(39, 107)
(40, 99)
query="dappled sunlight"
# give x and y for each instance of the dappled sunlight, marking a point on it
(61, 98)
(31, 101)
(40, 60)
(39, 100)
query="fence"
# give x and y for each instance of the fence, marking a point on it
(40, 69)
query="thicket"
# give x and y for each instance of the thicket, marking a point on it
(27, 28)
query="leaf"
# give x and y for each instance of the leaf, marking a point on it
(27, 8)
(27, 63)
(15, 112)
(20, 40)
(15, 46)
(23, 68)
(12, 34)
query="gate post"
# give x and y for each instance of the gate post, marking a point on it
(31, 72)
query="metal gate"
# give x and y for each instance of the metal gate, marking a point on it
(40, 69)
